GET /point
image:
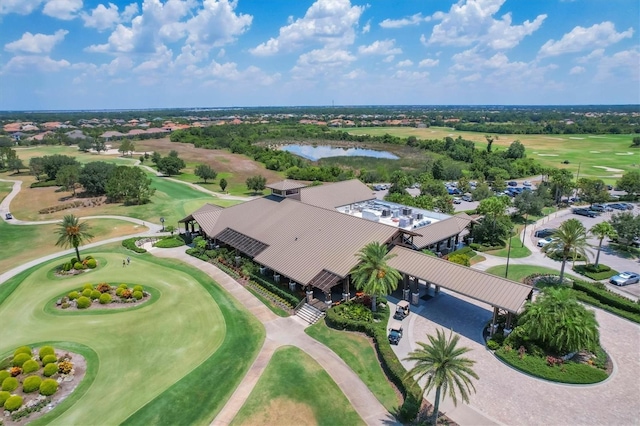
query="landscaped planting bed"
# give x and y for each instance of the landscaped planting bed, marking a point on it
(76, 266)
(104, 296)
(33, 381)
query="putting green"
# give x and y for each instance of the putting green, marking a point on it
(143, 353)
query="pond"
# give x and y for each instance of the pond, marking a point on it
(314, 153)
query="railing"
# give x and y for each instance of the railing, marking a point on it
(300, 305)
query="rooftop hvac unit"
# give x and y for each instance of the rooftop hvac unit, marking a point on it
(395, 213)
(386, 212)
(404, 222)
(406, 211)
(370, 215)
(418, 216)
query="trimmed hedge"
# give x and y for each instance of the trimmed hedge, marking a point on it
(601, 274)
(4, 395)
(43, 184)
(20, 359)
(137, 295)
(83, 302)
(48, 387)
(22, 350)
(91, 264)
(50, 369)
(170, 242)
(10, 384)
(583, 297)
(86, 292)
(390, 362)
(87, 286)
(46, 350)
(3, 375)
(74, 295)
(481, 248)
(607, 297)
(138, 288)
(468, 251)
(31, 384)
(105, 299)
(130, 244)
(49, 359)
(13, 403)
(288, 297)
(95, 294)
(30, 366)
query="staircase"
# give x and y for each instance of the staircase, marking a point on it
(309, 313)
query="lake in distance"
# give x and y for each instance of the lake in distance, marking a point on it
(314, 153)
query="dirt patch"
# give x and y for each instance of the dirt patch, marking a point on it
(67, 383)
(281, 411)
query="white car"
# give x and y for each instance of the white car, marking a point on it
(543, 242)
(526, 183)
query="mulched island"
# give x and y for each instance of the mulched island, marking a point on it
(104, 296)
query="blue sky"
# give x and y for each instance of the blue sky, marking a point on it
(94, 54)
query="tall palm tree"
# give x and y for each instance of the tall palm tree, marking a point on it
(372, 274)
(446, 370)
(570, 238)
(72, 233)
(601, 230)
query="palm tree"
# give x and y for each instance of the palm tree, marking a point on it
(372, 274)
(571, 237)
(601, 230)
(72, 233)
(446, 370)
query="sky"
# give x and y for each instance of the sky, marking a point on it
(96, 54)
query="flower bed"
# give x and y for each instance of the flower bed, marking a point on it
(103, 296)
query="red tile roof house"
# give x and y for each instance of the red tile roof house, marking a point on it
(309, 237)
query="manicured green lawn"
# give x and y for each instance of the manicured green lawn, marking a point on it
(517, 250)
(519, 272)
(357, 352)
(174, 361)
(295, 388)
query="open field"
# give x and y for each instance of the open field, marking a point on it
(595, 155)
(357, 351)
(21, 244)
(295, 390)
(520, 272)
(27, 153)
(158, 367)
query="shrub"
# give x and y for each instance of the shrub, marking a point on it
(103, 288)
(46, 350)
(87, 292)
(13, 403)
(91, 264)
(50, 369)
(87, 286)
(48, 387)
(126, 294)
(137, 295)
(589, 271)
(15, 371)
(20, 359)
(22, 350)
(84, 302)
(493, 345)
(4, 395)
(3, 375)
(66, 267)
(31, 384)
(105, 299)
(119, 291)
(30, 366)
(138, 288)
(170, 242)
(74, 260)
(95, 294)
(65, 367)
(124, 286)
(10, 384)
(460, 259)
(48, 359)
(74, 295)
(130, 244)
(65, 305)
(78, 266)
(88, 257)
(606, 297)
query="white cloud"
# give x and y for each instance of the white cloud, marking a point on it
(21, 7)
(101, 18)
(36, 43)
(367, 27)
(321, 61)
(412, 20)
(470, 22)
(129, 12)
(580, 38)
(216, 24)
(62, 9)
(576, 70)
(380, 47)
(472, 77)
(596, 54)
(328, 23)
(427, 63)
(410, 75)
(20, 64)
(405, 63)
(623, 65)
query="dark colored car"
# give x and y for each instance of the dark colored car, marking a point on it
(618, 206)
(627, 206)
(8, 216)
(600, 208)
(585, 212)
(512, 183)
(467, 198)
(543, 233)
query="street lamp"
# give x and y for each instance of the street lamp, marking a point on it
(162, 222)
(506, 272)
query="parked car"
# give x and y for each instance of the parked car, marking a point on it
(625, 278)
(512, 183)
(544, 233)
(585, 212)
(467, 198)
(600, 208)
(8, 216)
(618, 206)
(526, 183)
(395, 332)
(610, 187)
(543, 242)
(628, 206)
(457, 200)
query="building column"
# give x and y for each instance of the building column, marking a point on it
(327, 298)
(405, 287)
(494, 324)
(415, 291)
(346, 291)
(507, 328)
(309, 293)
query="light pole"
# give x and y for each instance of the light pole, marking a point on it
(162, 222)
(506, 272)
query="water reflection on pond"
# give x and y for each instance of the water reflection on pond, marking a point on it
(314, 153)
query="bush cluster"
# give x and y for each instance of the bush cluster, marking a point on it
(606, 297)
(20, 359)
(95, 294)
(137, 295)
(138, 288)
(50, 369)
(49, 359)
(590, 271)
(170, 242)
(13, 403)
(10, 384)
(65, 367)
(73, 295)
(78, 266)
(83, 302)
(130, 244)
(30, 366)
(483, 248)
(31, 384)
(48, 387)
(87, 292)
(91, 264)
(105, 298)
(22, 350)
(103, 288)
(46, 350)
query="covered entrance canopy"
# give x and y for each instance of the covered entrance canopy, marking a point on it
(495, 291)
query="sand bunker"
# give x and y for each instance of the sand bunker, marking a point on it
(608, 169)
(624, 153)
(555, 139)
(548, 155)
(595, 152)
(575, 138)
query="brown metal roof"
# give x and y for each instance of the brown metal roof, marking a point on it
(441, 230)
(286, 185)
(204, 209)
(332, 195)
(479, 285)
(324, 280)
(237, 240)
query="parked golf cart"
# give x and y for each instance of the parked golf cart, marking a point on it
(395, 332)
(402, 310)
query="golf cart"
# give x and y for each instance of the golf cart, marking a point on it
(402, 310)
(395, 332)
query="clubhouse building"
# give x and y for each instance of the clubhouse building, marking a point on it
(310, 236)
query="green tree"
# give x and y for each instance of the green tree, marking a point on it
(515, 150)
(126, 147)
(15, 164)
(636, 141)
(481, 192)
(36, 167)
(171, 165)
(559, 323)
(256, 183)
(71, 233)
(372, 274)
(447, 371)
(170, 228)
(67, 177)
(490, 140)
(592, 190)
(630, 182)
(129, 185)
(560, 183)
(526, 203)
(223, 184)
(52, 163)
(156, 157)
(95, 175)
(99, 144)
(204, 172)
(570, 239)
(433, 188)
(627, 227)
(600, 231)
